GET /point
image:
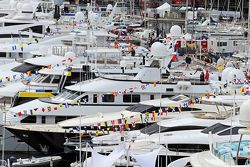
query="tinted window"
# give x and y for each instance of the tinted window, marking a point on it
(136, 98)
(108, 98)
(215, 128)
(43, 119)
(29, 119)
(127, 98)
(233, 131)
(95, 98)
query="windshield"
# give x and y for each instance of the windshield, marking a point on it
(215, 128)
(178, 98)
(68, 95)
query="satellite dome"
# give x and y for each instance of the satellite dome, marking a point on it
(225, 74)
(236, 74)
(79, 17)
(159, 49)
(109, 7)
(229, 64)
(175, 31)
(27, 8)
(70, 54)
(244, 116)
(220, 61)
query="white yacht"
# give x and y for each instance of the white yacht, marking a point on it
(110, 95)
(231, 153)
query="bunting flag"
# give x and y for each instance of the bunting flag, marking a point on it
(133, 124)
(49, 108)
(99, 125)
(66, 105)
(78, 102)
(154, 116)
(19, 114)
(43, 109)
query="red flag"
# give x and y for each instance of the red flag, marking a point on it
(43, 109)
(19, 114)
(55, 108)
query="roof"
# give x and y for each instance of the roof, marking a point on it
(164, 7)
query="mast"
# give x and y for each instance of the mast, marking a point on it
(186, 21)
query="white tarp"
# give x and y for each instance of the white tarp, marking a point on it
(98, 160)
(148, 159)
(163, 8)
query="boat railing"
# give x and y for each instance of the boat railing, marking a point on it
(224, 155)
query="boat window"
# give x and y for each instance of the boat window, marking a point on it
(166, 96)
(29, 119)
(62, 118)
(108, 98)
(215, 128)
(233, 131)
(178, 98)
(94, 98)
(74, 95)
(56, 79)
(48, 79)
(40, 78)
(136, 98)
(131, 98)
(68, 94)
(43, 119)
(188, 148)
(152, 97)
(127, 98)
(85, 99)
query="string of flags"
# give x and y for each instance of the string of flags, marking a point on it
(132, 89)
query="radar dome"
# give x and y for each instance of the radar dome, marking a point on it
(109, 7)
(225, 74)
(236, 74)
(229, 64)
(159, 49)
(79, 17)
(244, 116)
(175, 31)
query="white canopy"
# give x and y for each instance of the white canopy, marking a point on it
(163, 8)
(148, 159)
(98, 160)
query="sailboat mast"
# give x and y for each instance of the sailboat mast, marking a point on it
(186, 19)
